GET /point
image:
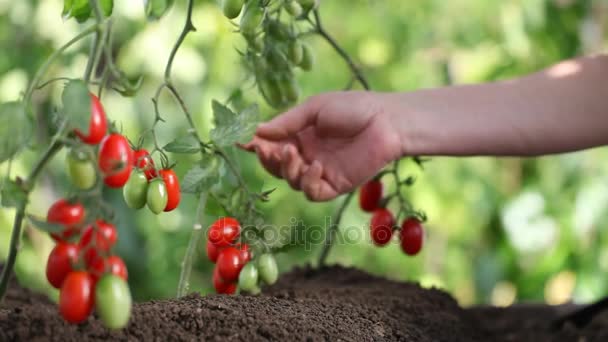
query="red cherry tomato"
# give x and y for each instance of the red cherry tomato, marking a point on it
(98, 126)
(224, 231)
(370, 195)
(60, 263)
(229, 264)
(411, 236)
(113, 265)
(212, 251)
(143, 161)
(102, 236)
(71, 215)
(222, 286)
(173, 191)
(115, 160)
(76, 297)
(381, 226)
(244, 252)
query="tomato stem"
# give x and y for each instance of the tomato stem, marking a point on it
(333, 229)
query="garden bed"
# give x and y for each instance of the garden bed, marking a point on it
(332, 304)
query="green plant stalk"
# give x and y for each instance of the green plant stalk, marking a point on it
(333, 229)
(195, 237)
(20, 215)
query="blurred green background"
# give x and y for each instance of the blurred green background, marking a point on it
(499, 230)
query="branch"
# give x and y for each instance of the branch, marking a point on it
(333, 229)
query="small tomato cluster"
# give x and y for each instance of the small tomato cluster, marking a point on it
(234, 261)
(383, 224)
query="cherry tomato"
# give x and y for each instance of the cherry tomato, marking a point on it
(173, 191)
(293, 8)
(308, 58)
(381, 226)
(81, 170)
(112, 265)
(115, 160)
(212, 251)
(69, 214)
(224, 231)
(248, 278)
(221, 286)
(411, 236)
(253, 15)
(76, 297)
(113, 301)
(229, 264)
(244, 252)
(290, 89)
(60, 263)
(232, 8)
(98, 126)
(143, 161)
(102, 236)
(268, 269)
(295, 51)
(370, 195)
(136, 190)
(307, 5)
(156, 197)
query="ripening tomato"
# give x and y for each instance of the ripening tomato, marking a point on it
(102, 236)
(115, 160)
(69, 214)
(222, 286)
(212, 251)
(381, 226)
(156, 197)
(113, 301)
(411, 236)
(98, 126)
(173, 191)
(268, 269)
(60, 263)
(229, 264)
(135, 191)
(112, 265)
(370, 195)
(143, 161)
(224, 231)
(76, 297)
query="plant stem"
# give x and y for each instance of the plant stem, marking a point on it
(40, 73)
(351, 64)
(333, 229)
(188, 27)
(195, 237)
(93, 57)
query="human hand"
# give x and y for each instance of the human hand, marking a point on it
(330, 144)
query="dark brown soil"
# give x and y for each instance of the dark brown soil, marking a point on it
(333, 304)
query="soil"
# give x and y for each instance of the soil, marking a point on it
(336, 303)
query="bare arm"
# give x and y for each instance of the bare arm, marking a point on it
(563, 108)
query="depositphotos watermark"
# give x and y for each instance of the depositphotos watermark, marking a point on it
(297, 233)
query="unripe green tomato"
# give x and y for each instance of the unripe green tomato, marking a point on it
(268, 269)
(135, 191)
(252, 18)
(289, 89)
(277, 59)
(248, 278)
(308, 5)
(156, 196)
(308, 58)
(278, 30)
(257, 43)
(81, 171)
(271, 91)
(113, 301)
(295, 52)
(232, 8)
(294, 8)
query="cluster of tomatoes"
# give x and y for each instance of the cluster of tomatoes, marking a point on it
(234, 261)
(383, 223)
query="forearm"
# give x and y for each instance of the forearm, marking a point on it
(563, 108)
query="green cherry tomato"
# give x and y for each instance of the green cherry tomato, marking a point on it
(135, 191)
(157, 196)
(248, 278)
(232, 8)
(81, 170)
(269, 88)
(268, 269)
(294, 8)
(252, 18)
(113, 301)
(308, 5)
(290, 89)
(295, 52)
(308, 58)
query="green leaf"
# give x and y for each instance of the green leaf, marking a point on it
(214, 207)
(15, 129)
(155, 9)
(77, 104)
(239, 128)
(222, 115)
(78, 9)
(107, 6)
(202, 176)
(12, 194)
(67, 8)
(44, 225)
(185, 144)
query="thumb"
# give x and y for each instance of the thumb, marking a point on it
(290, 122)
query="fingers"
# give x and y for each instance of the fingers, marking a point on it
(314, 186)
(290, 122)
(291, 166)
